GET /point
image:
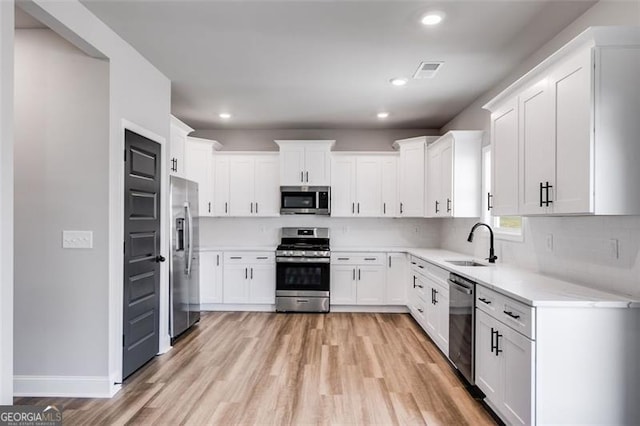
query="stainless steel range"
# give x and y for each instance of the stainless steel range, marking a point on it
(303, 270)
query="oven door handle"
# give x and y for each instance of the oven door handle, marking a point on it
(460, 288)
(303, 260)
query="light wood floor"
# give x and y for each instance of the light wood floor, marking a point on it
(267, 368)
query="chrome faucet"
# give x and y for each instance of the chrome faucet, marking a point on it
(492, 257)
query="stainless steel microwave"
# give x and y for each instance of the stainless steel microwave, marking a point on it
(305, 200)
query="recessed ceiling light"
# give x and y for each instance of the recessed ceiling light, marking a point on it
(432, 18)
(383, 115)
(398, 81)
(224, 115)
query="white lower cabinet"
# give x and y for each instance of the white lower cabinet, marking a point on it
(210, 277)
(249, 278)
(396, 288)
(358, 278)
(429, 301)
(504, 369)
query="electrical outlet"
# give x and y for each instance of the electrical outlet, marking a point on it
(614, 248)
(549, 242)
(77, 239)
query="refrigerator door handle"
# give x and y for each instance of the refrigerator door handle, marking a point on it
(190, 238)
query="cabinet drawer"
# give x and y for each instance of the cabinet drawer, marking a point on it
(419, 265)
(418, 310)
(513, 313)
(438, 274)
(419, 287)
(358, 258)
(256, 257)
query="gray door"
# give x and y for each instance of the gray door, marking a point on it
(141, 252)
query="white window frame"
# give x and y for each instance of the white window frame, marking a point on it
(487, 217)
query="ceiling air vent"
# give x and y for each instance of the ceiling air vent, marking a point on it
(427, 70)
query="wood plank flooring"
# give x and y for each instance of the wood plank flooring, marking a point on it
(281, 369)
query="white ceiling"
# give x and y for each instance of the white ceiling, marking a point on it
(326, 64)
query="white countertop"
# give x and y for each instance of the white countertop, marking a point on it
(528, 287)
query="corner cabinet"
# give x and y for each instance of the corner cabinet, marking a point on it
(177, 145)
(454, 175)
(305, 162)
(199, 163)
(567, 131)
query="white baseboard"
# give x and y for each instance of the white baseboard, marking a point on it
(65, 386)
(382, 309)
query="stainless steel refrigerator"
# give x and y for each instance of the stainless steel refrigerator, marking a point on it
(184, 282)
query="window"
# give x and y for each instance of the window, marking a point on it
(504, 227)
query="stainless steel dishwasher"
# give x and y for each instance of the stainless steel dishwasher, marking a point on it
(462, 325)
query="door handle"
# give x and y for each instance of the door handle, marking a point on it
(226, 207)
(492, 344)
(389, 261)
(547, 201)
(541, 187)
(511, 314)
(217, 260)
(435, 296)
(353, 208)
(485, 301)
(498, 336)
(160, 258)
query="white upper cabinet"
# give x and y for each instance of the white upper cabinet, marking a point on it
(246, 184)
(504, 195)
(576, 120)
(179, 132)
(358, 186)
(199, 168)
(390, 186)
(305, 162)
(411, 187)
(454, 175)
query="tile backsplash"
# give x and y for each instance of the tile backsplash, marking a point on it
(597, 251)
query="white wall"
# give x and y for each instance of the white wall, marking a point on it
(6, 202)
(344, 232)
(581, 245)
(346, 139)
(138, 94)
(61, 182)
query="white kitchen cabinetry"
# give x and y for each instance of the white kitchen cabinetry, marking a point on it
(454, 175)
(305, 162)
(210, 277)
(390, 186)
(249, 278)
(177, 141)
(505, 364)
(412, 176)
(396, 288)
(247, 185)
(199, 162)
(504, 195)
(576, 120)
(358, 279)
(358, 188)
(429, 301)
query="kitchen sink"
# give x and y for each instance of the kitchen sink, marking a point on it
(465, 263)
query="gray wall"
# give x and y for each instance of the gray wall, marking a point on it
(6, 202)
(581, 245)
(61, 182)
(346, 139)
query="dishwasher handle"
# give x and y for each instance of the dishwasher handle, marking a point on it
(460, 288)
